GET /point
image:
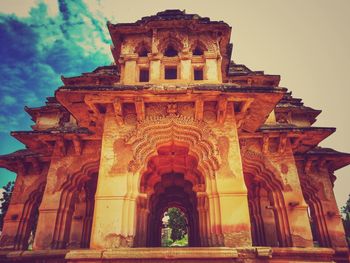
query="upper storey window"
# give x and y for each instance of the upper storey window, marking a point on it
(144, 75)
(198, 74)
(143, 52)
(170, 73)
(170, 51)
(197, 51)
(142, 49)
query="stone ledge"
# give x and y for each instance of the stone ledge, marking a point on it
(154, 253)
(307, 254)
(54, 255)
(180, 254)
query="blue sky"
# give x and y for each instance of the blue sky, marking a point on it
(35, 51)
(306, 42)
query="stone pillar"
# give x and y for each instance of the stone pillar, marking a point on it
(9, 236)
(211, 66)
(155, 67)
(332, 216)
(231, 189)
(296, 206)
(57, 206)
(115, 205)
(142, 221)
(202, 218)
(215, 237)
(77, 225)
(49, 208)
(18, 221)
(130, 69)
(185, 66)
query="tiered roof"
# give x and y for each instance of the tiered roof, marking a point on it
(293, 118)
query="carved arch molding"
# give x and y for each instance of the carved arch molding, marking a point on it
(156, 131)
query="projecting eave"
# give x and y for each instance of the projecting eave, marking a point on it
(307, 112)
(13, 160)
(254, 104)
(175, 88)
(254, 80)
(43, 141)
(35, 112)
(105, 75)
(242, 75)
(302, 139)
(335, 160)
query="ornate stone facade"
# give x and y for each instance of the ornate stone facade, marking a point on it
(174, 123)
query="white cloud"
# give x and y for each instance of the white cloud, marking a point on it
(8, 100)
(22, 8)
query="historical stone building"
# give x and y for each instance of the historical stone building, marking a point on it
(174, 123)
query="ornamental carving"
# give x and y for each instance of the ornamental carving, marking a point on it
(186, 109)
(117, 240)
(313, 187)
(257, 162)
(174, 38)
(156, 109)
(154, 131)
(206, 42)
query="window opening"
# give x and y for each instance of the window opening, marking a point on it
(33, 226)
(170, 51)
(197, 51)
(171, 73)
(198, 74)
(174, 228)
(143, 52)
(144, 75)
(313, 226)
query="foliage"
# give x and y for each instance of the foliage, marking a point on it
(167, 243)
(5, 201)
(177, 223)
(181, 243)
(346, 220)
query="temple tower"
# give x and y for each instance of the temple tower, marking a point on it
(173, 122)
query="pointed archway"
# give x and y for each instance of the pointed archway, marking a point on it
(170, 180)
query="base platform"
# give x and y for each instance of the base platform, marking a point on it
(179, 255)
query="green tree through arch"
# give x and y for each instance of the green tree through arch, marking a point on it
(175, 228)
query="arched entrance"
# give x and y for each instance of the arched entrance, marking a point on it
(170, 180)
(74, 219)
(316, 214)
(29, 219)
(269, 221)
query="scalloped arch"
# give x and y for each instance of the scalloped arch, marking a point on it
(152, 132)
(83, 174)
(170, 40)
(256, 164)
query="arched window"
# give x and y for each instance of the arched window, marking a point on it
(143, 52)
(170, 51)
(142, 49)
(198, 51)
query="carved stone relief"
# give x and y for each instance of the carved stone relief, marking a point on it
(255, 158)
(155, 109)
(117, 240)
(152, 132)
(186, 109)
